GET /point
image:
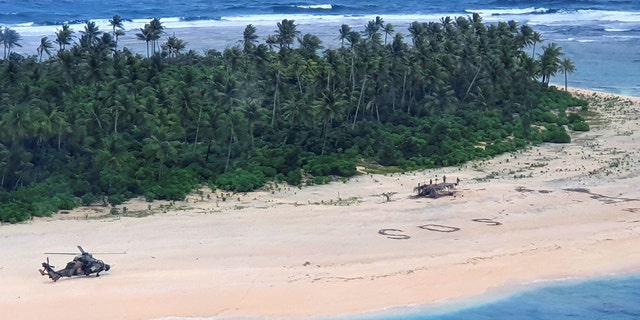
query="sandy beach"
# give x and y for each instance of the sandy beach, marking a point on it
(553, 211)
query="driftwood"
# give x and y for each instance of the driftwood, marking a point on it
(387, 195)
(435, 190)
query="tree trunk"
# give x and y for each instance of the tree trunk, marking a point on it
(115, 124)
(471, 84)
(275, 99)
(324, 138)
(404, 86)
(355, 117)
(195, 143)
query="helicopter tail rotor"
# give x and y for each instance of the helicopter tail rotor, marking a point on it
(47, 270)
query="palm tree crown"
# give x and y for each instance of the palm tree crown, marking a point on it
(116, 23)
(566, 66)
(44, 47)
(64, 36)
(9, 38)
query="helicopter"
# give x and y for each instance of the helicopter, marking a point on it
(83, 264)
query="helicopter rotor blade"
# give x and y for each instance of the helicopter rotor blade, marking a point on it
(49, 264)
(75, 254)
(123, 252)
(64, 253)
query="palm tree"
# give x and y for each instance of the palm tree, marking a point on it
(388, 31)
(371, 28)
(525, 37)
(90, 35)
(328, 108)
(550, 61)
(64, 36)
(173, 46)
(535, 38)
(249, 38)
(9, 38)
(566, 66)
(344, 34)
(286, 33)
(309, 45)
(116, 23)
(418, 33)
(146, 35)
(44, 47)
(379, 23)
(157, 30)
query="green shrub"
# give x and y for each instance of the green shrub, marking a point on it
(117, 199)
(149, 196)
(574, 118)
(65, 202)
(240, 180)
(294, 177)
(13, 212)
(333, 165)
(88, 199)
(556, 134)
(580, 126)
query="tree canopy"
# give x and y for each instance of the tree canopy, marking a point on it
(97, 123)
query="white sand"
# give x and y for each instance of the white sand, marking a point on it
(317, 251)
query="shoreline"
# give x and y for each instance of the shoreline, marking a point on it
(492, 296)
(550, 212)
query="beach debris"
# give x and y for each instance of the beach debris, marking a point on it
(387, 195)
(435, 190)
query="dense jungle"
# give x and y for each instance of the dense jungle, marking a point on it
(86, 122)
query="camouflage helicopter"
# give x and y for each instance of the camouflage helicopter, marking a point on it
(82, 264)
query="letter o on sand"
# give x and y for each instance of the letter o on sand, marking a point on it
(438, 228)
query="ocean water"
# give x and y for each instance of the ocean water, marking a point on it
(605, 298)
(610, 298)
(601, 37)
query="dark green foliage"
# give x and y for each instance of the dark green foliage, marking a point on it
(294, 177)
(93, 124)
(38, 200)
(556, 134)
(117, 199)
(576, 123)
(333, 165)
(174, 184)
(240, 180)
(579, 126)
(88, 199)
(65, 202)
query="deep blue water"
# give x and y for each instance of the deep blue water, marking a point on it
(601, 37)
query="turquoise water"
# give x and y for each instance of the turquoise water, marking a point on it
(612, 298)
